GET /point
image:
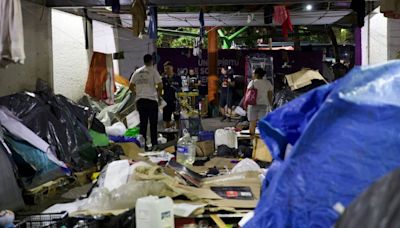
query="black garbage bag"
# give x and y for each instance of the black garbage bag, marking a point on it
(225, 151)
(55, 120)
(378, 206)
(282, 97)
(108, 154)
(37, 116)
(84, 114)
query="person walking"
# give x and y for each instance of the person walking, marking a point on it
(263, 101)
(146, 84)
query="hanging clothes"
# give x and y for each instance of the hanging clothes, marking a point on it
(282, 17)
(138, 12)
(100, 83)
(153, 21)
(11, 33)
(391, 8)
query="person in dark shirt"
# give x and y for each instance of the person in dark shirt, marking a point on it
(203, 92)
(226, 85)
(203, 86)
(172, 84)
(193, 80)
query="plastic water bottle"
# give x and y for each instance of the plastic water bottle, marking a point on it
(184, 154)
(192, 151)
(141, 140)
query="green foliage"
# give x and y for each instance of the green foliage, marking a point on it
(165, 40)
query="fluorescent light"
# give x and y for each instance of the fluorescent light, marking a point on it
(309, 7)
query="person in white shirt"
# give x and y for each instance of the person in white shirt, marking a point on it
(264, 99)
(146, 84)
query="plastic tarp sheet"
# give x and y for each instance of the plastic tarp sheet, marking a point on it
(34, 167)
(379, 206)
(344, 136)
(15, 127)
(57, 121)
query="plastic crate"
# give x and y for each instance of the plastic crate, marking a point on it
(54, 220)
(192, 124)
(40, 220)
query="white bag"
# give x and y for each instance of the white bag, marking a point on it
(133, 119)
(226, 137)
(246, 165)
(117, 129)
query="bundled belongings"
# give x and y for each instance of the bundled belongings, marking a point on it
(338, 132)
(297, 84)
(59, 122)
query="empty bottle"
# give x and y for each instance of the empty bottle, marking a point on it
(142, 140)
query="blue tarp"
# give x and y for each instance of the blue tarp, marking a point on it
(345, 136)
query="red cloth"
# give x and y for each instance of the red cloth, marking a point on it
(282, 17)
(97, 77)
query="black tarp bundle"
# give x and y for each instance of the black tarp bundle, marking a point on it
(59, 121)
(378, 206)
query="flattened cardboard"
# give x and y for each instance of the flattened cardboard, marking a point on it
(261, 151)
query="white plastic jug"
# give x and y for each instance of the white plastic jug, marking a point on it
(154, 212)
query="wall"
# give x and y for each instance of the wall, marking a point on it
(374, 39)
(394, 38)
(38, 62)
(134, 49)
(71, 60)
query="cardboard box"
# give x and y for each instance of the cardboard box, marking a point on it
(261, 151)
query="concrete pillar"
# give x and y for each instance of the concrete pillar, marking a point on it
(212, 65)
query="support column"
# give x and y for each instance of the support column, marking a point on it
(358, 46)
(212, 66)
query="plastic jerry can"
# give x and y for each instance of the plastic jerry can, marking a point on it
(154, 212)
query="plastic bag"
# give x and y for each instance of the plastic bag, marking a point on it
(226, 137)
(376, 207)
(117, 129)
(250, 97)
(246, 165)
(124, 197)
(57, 120)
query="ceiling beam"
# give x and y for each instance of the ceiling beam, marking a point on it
(178, 3)
(83, 3)
(234, 2)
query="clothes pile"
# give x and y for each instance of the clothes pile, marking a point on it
(44, 137)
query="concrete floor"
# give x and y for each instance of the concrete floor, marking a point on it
(212, 124)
